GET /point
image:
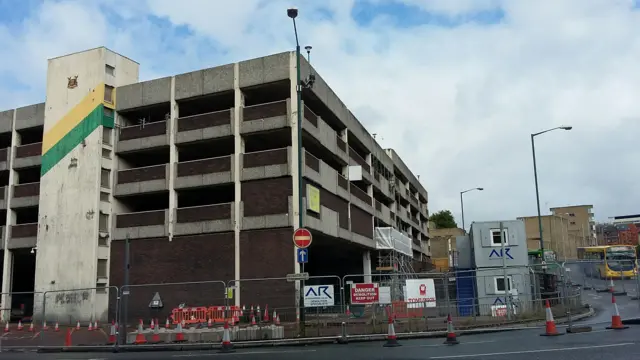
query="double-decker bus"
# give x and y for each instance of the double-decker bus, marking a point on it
(612, 261)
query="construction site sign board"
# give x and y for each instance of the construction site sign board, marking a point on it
(318, 296)
(420, 293)
(365, 294)
(302, 238)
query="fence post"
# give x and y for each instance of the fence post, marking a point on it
(565, 295)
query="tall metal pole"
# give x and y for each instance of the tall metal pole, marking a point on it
(462, 209)
(300, 184)
(507, 283)
(535, 176)
(125, 290)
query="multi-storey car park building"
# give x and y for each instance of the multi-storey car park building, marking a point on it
(199, 171)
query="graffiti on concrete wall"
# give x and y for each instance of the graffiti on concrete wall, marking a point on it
(72, 297)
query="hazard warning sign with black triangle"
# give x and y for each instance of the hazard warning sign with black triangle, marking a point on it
(156, 302)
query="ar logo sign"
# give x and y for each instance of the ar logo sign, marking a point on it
(498, 254)
(322, 291)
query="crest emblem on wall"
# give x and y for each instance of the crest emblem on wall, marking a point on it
(72, 82)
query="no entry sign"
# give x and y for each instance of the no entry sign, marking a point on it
(365, 294)
(302, 238)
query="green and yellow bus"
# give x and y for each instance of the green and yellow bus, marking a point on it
(612, 261)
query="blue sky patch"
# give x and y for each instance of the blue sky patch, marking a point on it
(407, 16)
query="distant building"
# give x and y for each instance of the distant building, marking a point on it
(621, 233)
(555, 233)
(627, 219)
(581, 222)
(443, 247)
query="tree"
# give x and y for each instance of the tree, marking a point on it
(443, 219)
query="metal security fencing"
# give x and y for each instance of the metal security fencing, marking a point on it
(273, 309)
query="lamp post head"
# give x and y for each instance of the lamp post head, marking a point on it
(480, 189)
(566, 127)
(308, 48)
(292, 12)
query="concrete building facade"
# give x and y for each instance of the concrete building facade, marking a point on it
(556, 235)
(199, 172)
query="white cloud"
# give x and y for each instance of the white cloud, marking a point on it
(458, 104)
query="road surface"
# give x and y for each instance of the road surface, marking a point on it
(516, 345)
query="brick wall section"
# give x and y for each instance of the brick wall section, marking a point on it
(204, 213)
(361, 222)
(266, 197)
(24, 230)
(146, 218)
(264, 111)
(204, 120)
(205, 166)
(333, 202)
(147, 173)
(29, 150)
(264, 158)
(140, 131)
(26, 190)
(190, 258)
(267, 254)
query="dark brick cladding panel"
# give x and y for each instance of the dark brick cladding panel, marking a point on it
(361, 222)
(189, 258)
(333, 202)
(267, 254)
(266, 197)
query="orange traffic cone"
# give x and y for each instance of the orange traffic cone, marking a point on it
(451, 333)
(6, 327)
(140, 338)
(95, 325)
(277, 319)
(258, 312)
(227, 347)
(90, 326)
(253, 320)
(78, 325)
(616, 321)
(67, 338)
(155, 338)
(44, 325)
(57, 327)
(348, 312)
(550, 326)
(209, 323)
(242, 311)
(167, 325)
(31, 327)
(152, 325)
(232, 321)
(20, 327)
(392, 340)
(112, 333)
(179, 334)
(266, 313)
(273, 317)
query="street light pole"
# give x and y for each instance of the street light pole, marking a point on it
(535, 177)
(300, 84)
(462, 205)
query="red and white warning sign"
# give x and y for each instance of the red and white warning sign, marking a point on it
(365, 293)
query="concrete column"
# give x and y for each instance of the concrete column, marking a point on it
(237, 171)
(173, 157)
(7, 265)
(366, 266)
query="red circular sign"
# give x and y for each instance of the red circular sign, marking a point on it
(302, 238)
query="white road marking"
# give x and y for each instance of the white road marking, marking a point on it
(248, 353)
(531, 351)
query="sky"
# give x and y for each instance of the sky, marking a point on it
(455, 86)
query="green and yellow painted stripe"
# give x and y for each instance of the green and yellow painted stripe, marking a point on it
(75, 126)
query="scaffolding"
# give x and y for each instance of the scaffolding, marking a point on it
(395, 260)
